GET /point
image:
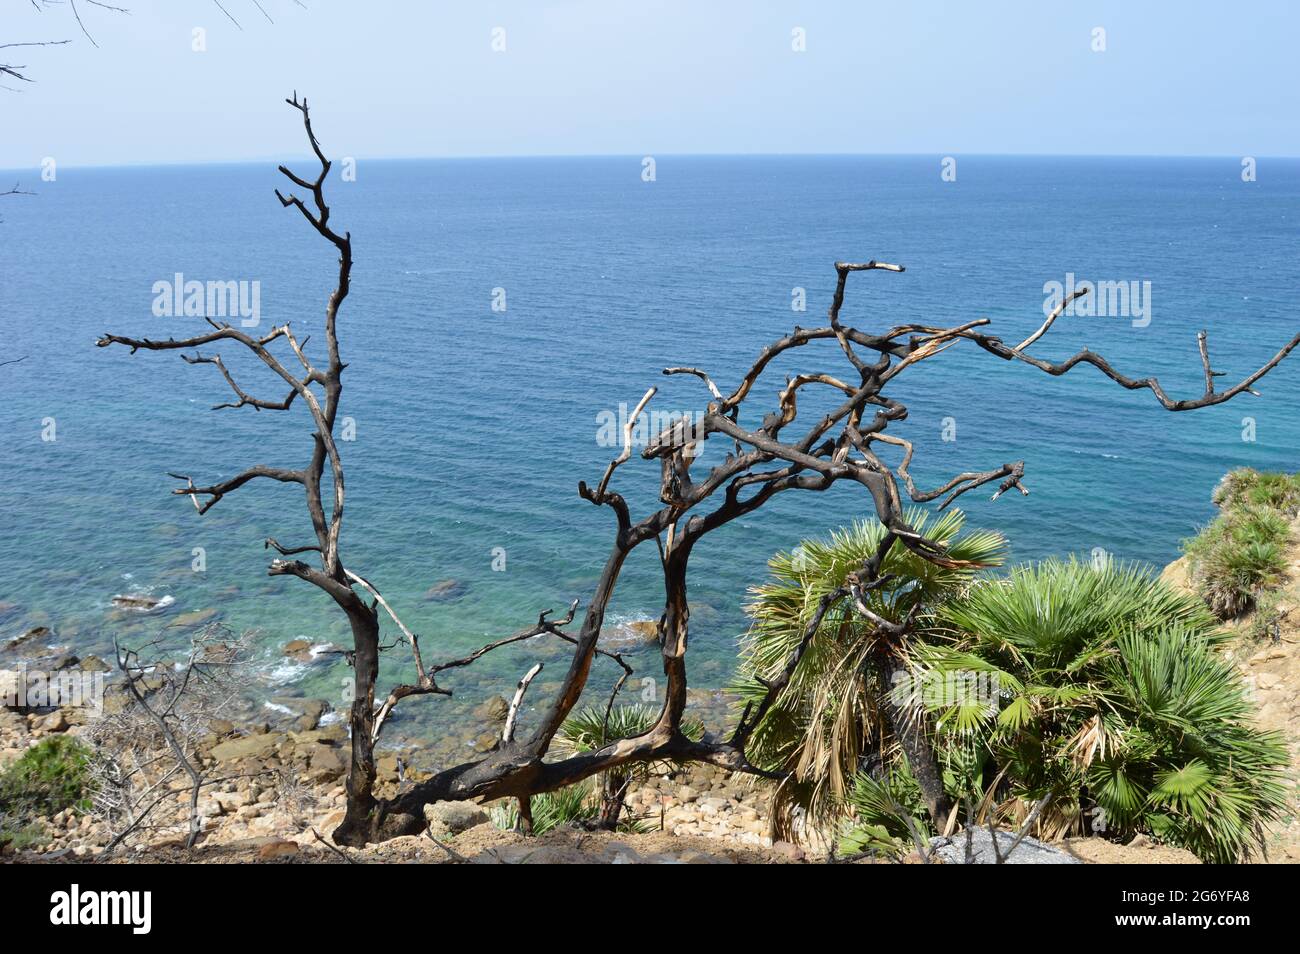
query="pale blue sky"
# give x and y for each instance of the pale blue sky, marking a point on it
(390, 78)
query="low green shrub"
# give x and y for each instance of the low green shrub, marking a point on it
(551, 810)
(1248, 487)
(1114, 700)
(1241, 555)
(52, 775)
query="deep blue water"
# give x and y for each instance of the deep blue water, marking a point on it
(473, 427)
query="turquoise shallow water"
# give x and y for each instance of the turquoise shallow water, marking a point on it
(473, 427)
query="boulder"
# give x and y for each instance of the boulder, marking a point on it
(952, 850)
(230, 802)
(386, 768)
(197, 617)
(326, 765)
(95, 664)
(646, 629)
(492, 710)
(36, 632)
(142, 604)
(334, 734)
(257, 746)
(451, 818)
(307, 712)
(444, 591)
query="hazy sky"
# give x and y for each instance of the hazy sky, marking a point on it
(390, 78)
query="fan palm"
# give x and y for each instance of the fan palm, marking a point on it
(588, 729)
(829, 717)
(1115, 702)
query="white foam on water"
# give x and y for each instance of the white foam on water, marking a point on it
(286, 671)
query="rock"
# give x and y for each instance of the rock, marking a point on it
(95, 664)
(36, 632)
(312, 710)
(485, 742)
(296, 647)
(447, 819)
(326, 765)
(527, 853)
(1176, 575)
(630, 634)
(229, 802)
(256, 746)
(703, 612)
(712, 805)
(334, 734)
(1030, 851)
(274, 850)
(386, 768)
(307, 712)
(64, 661)
(444, 591)
(221, 727)
(142, 604)
(493, 710)
(197, 617)
(56, 721)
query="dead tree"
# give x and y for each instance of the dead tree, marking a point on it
(317, 385)
(147, 749)
(843, 444)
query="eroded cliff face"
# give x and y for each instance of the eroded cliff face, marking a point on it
(1270, 664)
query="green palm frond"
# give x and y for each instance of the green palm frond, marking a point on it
(586, 729)
(1127, 705)
(829, 713)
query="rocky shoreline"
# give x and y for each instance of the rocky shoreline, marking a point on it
(275, 791)
(282, 794)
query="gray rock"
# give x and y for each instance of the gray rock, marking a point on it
(445, 591)
(1030, 851)
(196, 618)
(306, 712)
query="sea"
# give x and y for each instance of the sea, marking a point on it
(503, 311)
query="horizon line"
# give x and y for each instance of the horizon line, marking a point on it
(166, 163)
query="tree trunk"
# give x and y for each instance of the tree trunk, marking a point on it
(612, 794)
(674, 632)
(909, 729)
(360, 821)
